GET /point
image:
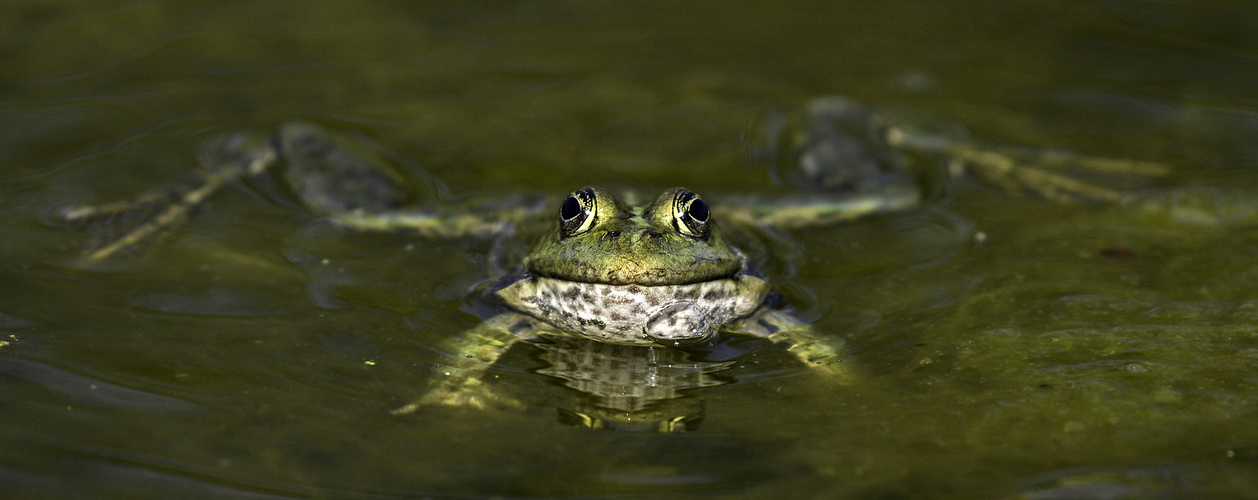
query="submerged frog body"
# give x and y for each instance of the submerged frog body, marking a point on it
(623, 269)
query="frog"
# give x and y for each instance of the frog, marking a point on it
(644, 272)
(625, 271)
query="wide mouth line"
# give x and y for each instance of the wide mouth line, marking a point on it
(595, 275)
(644, 284)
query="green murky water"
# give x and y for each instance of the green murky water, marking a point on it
(1080, 351)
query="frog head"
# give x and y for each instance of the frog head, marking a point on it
(599, 239)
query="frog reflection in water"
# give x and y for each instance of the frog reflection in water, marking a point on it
(634, 276)
(627, 387)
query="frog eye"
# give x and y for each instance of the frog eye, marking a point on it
(576, 215)
(690, 215)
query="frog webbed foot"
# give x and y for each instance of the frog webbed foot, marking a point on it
(461, 392)
(838, 145)
(113, 227)
(1054, 174)
(823, 354)
(329, 176)
(1049, 172)
(459, 381)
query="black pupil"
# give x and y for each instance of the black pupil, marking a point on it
(571, 208)
(698, 210)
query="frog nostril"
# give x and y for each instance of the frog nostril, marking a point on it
(653, 234)
(611, 235)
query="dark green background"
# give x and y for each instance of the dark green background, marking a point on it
(228, 358)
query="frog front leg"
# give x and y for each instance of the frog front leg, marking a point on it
(458, 381)
(824, 354)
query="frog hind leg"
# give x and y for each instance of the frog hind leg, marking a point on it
(336, 179)
(113, 227)
(838, 145)
(329, 176)
(458, 381)
(837, 164)
(1044, 171)
(1041, 172)
(824, 354)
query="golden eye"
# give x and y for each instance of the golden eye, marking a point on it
(577, 213)
(690, 215)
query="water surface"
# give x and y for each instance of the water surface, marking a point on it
(1007, 346)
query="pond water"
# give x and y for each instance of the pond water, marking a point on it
(1003, 345)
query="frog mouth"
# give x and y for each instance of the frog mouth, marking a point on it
(631, 271)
